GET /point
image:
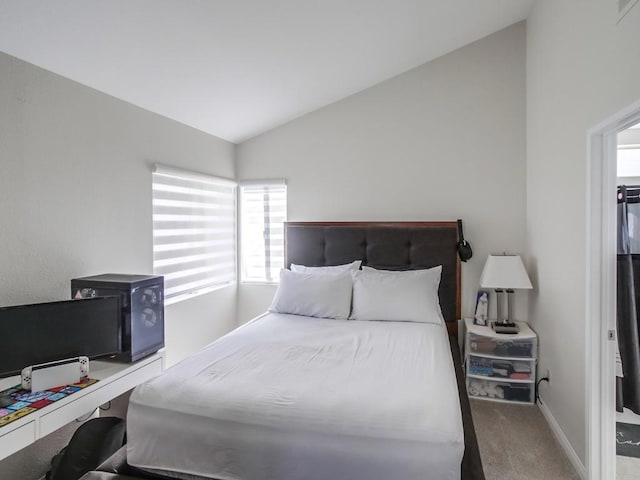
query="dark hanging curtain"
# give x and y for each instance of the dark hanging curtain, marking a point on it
(628, 287)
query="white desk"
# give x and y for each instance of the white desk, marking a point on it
(114, 380)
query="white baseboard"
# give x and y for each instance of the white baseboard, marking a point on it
(564, 443)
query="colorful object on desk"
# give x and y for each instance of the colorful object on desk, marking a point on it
(18, 402)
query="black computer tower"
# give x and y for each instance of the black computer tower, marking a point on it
(142, 301)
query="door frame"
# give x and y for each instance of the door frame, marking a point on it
(601, 291)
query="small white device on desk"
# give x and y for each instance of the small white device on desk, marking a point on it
(55, 374)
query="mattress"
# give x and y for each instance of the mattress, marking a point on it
(287, 397)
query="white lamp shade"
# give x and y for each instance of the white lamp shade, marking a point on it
(504, 271)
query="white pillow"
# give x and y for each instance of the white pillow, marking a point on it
(331, 269)
(312, 295)
(403, 296)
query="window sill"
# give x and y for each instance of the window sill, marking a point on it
(195, 293)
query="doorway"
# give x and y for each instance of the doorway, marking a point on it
(601, 292)
(628, 281)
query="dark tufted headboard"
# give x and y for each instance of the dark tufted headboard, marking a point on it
(388, 245)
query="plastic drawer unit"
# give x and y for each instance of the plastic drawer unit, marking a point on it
(500, 367)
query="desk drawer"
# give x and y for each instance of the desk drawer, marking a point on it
(16, 439)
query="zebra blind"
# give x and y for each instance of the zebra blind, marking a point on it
(263, 211)
(194, 232)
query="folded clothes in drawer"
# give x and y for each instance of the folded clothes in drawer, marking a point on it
(482, 346)
(491, 367)
(513, 349)
(516, 392)
(501, 347)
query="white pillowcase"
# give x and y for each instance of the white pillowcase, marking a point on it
(312, 295)
(402, 296)
(330, 269)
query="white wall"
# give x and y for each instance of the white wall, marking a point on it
(581, 69)
(75, 200)
(443, 141)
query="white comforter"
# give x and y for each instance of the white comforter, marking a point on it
(291, 398)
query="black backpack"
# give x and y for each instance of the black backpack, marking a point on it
(91, 444)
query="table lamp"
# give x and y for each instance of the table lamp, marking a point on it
(504, 273)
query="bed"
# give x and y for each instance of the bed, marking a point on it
(290, 396)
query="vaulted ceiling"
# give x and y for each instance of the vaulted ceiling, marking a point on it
(237, 68)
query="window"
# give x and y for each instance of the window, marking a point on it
(194, 232)
(263, 209)
(628, 161)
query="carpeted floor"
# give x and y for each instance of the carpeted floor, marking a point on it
(516, 443)
(627, 468)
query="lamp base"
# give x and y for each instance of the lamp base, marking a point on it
(505, 327)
